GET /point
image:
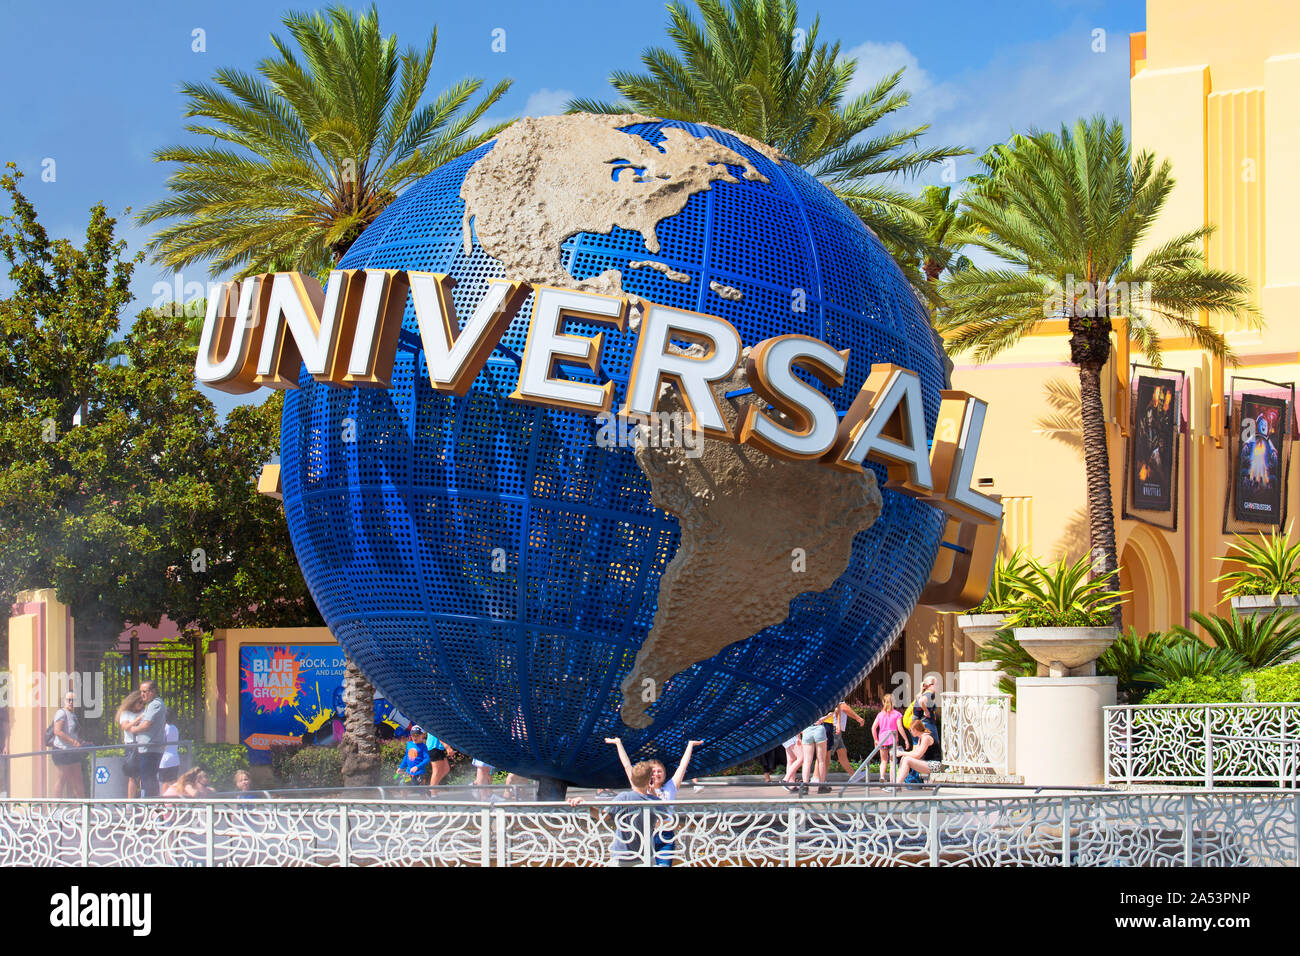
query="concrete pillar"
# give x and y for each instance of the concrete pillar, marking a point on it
(978, 677)
(40, 660)
(1059, 738)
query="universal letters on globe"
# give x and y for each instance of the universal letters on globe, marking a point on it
(260, 331)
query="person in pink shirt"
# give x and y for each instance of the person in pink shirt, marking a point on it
(884, 731)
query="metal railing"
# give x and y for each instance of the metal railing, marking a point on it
(103, 772)
(1092, 829)
(976, 732)
(1207, 744)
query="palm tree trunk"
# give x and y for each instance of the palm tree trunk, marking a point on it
(1101, 512)
(360, 746)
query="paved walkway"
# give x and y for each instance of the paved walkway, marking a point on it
(747, 788)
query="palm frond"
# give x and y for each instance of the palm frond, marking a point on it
(312, 148)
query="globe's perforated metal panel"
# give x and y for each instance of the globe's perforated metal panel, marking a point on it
(494, 571)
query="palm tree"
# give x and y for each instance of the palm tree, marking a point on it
(1064, 213)
(747, 69)
(306, 155)
(945, 233)
(313, 151)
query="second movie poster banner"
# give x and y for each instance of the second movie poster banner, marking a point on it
(1257, 481)
(1261, 429)
(1156, 421)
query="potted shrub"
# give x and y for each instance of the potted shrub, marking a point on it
(982, 622)
(1267, 575)
(1062, 617)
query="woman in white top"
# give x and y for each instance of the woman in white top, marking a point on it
(127, 715)
(169, 767)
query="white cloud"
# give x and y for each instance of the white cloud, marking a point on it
(546, 102)
(543, 102)
(878, 60)
(1041, 85)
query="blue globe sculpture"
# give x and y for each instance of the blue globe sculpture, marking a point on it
(494, 571)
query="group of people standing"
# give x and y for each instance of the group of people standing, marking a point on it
(152, 755)
(912, 735)
(808, 753)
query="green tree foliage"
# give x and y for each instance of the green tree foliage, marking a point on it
(749, 67)
(296, 161)
(1064, 213)
(945, 234)
(118, 485)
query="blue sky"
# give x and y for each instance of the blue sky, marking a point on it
(94, 86)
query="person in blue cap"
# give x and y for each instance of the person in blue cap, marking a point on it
(415, 767)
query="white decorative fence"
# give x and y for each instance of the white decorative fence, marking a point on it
(975, 732)
(1153, 829)
(1209, 744)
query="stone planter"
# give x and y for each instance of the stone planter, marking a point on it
(1066, 651)
(1249, 605)
(981, 628)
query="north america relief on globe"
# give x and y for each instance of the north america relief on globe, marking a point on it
(515, 585)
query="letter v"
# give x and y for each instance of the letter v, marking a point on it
(454, 355)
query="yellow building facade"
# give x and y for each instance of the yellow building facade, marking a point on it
(1215, 89)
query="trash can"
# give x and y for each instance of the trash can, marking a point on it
(107, 780)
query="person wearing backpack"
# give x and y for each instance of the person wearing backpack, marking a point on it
(64, 738)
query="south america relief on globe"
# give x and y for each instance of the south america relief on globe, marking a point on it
(526, 590)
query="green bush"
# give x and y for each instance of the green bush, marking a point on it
(857, 740)
(1072, 617)
(303, 767)
(1270, 685)
(1130, 657)
(221, 761)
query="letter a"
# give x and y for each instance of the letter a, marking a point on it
(886, 423)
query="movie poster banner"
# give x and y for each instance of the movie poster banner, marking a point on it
(1257, 473)
(293, 694)
(1156, 414)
